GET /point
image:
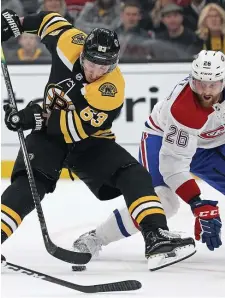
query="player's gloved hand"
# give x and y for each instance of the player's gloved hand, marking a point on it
(207, 223)
(10, 25)
(28, 118)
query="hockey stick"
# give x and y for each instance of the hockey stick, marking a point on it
(57, 252)
(126, 285)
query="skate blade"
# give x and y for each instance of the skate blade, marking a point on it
(179, 254)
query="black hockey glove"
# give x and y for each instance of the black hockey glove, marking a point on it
(29, 118)
(11, 25)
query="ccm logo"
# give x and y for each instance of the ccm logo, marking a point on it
(213, 133)
(207, 213)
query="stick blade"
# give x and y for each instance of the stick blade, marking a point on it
(72, 257)
(121, 286)
(65, 255)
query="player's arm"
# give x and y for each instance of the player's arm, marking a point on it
(44, 24)
(178, 147)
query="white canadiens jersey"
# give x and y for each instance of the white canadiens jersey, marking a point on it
(184, 126)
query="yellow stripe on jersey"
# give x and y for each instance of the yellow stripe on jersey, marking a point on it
(141, 200)
(68, 49)
(99, 132)
(79, 126)
(112, 137)
(54, 27)
(147, 212)
(6, 229)
(107, 93)
(106, 134)
(46, 19)
(12, 214)
(64, 128)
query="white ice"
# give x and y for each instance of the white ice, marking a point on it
(72, 210)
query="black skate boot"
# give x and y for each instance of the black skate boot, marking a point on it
(163, 248)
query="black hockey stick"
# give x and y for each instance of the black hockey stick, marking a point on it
(57, 252)
(126, 285)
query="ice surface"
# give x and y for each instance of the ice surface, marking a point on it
(72, 210)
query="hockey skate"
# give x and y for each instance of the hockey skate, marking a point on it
(163, 248)
(88, 243)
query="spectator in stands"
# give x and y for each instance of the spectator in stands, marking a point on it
(30, 6)
(57, 6)
(131, 36)
(30, 50)
(14, 5)
(176, 33)
(193, 10)
(130, 21)
(75, 6)
(211, 29)
(136, 44)
(101, 13)
(152, 18)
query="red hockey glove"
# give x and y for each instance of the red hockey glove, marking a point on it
(207, 223)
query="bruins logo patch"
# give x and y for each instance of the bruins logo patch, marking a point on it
(108, 89)
(79, 38)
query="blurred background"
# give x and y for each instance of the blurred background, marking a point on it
(148, 30)
(158, 40)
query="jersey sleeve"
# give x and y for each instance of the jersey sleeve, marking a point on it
(48, 26)
(178, 147)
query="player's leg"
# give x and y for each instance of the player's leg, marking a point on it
(120, 224)
(209, 165)
(119, 174)
(46, 161)
(17, 202)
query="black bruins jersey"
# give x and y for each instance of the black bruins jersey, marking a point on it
(78, 109)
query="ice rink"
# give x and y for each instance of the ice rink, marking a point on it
(72, 210)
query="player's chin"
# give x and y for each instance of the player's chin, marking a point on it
(207, 100)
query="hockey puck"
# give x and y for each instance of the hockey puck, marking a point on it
(79, 268)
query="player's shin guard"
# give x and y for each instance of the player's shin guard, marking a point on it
(17, 202)
(162, 248)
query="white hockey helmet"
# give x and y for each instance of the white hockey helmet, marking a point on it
(209, 66)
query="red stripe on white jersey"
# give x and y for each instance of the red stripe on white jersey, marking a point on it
(153, 124)
(144, 158)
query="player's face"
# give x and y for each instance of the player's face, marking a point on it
(94, 71)
(208, 92)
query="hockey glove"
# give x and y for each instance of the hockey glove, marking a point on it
(11, 25)
(29, 118)
(207, 223)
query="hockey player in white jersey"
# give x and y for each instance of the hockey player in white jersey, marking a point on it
(184, 134)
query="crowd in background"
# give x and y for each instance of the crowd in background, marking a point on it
(147, 29)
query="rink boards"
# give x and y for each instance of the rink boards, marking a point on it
(145, 85)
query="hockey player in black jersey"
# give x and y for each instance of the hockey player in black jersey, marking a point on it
(72, 129)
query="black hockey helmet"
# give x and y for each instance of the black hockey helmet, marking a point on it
(102, 47)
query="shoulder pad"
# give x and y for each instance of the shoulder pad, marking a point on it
(188, 112)
(70, 45)
(107, 93)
